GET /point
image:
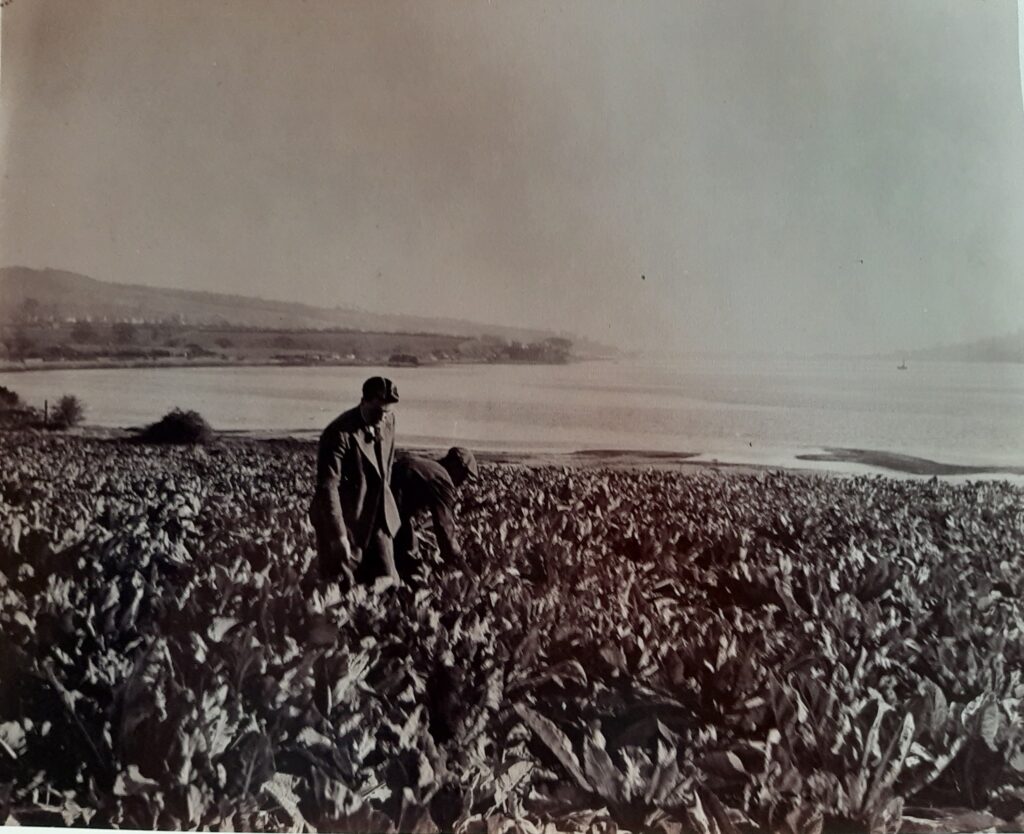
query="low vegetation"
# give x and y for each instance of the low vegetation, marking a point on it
(68, 412)
(178, 427)
(14, 414)
(643, 651)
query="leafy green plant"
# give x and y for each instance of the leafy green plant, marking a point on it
(638, 650)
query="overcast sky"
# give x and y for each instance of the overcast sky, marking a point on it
(789, 175)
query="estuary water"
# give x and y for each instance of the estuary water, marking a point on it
(729, 409)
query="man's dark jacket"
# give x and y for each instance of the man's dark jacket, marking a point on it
(353, 494)
(420, 484)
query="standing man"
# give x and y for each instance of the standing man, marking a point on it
(420, 485)
(353, 511)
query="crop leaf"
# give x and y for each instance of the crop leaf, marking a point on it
(556, 741)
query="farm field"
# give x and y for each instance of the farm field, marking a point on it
(640, 651)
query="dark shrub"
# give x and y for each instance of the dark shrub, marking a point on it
(14, 414)
(20, 417)
(8, 399)
(178, 427)
(68, 412)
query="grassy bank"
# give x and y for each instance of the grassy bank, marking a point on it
(642, 650)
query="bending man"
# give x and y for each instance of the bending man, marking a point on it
(421, 485)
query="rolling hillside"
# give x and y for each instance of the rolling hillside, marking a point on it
(1007, 348)
(65, 295)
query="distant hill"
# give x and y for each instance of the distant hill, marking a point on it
(70, 295)
(1008, 348)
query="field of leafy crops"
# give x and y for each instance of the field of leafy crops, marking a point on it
(641, 651)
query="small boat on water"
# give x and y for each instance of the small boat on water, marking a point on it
(902, 366)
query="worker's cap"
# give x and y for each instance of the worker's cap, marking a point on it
(464, 459)
(379, 388)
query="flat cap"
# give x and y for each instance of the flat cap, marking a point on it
(463, 458)
(380, 388)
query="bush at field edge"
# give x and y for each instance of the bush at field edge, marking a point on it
(178, 426)
(68, 412)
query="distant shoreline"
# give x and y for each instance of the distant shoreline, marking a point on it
(874, 462)
(907, 464)
(122, 364)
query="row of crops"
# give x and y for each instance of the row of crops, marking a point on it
(639, 651)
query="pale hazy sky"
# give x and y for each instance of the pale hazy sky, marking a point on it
(789, 175)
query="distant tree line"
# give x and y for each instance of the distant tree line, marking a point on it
(555, 349)
(37, 332)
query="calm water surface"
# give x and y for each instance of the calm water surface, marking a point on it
(734, 409)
